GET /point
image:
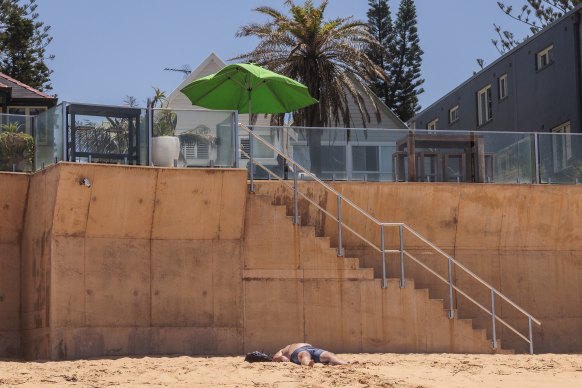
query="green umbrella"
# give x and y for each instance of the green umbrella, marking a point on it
(248, 88)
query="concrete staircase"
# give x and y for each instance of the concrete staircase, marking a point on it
(333, 301)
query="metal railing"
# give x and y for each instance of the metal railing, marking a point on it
(342, 201)
(385, 155)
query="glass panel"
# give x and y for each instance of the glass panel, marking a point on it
(508, 158)
(49, 137)
(193, 138)
(143, 137)
(560, 157)
(100, 138)
(16, 143)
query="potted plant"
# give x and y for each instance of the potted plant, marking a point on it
(16, 148)
(165, 145)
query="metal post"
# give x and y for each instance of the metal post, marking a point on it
(493, 318)
(295, 196)
(65, 132)
(35, 140)
(235, 144)
(401, 228)
(125, 160)
(536, 157)
(451, 307)
(90, 158)
(530, 336)
(340, 251)
(251, 164)
(175, 162)
(384, 280)
(150, 126)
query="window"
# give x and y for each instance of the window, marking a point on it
(26, 110)
(195, 150)
(503, 87)
(484, 111)
(454, 114)
(260, 151)
(562, 146)
(544, 58)
(432, 126)
(246, 147)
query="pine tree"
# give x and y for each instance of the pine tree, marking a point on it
(536, 14)
(23, 42)
(406, 62)
(380, 23)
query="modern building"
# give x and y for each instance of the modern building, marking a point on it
(534, 87)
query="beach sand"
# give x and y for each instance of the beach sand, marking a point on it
(372, 370)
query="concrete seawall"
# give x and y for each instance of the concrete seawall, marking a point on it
(166, 261)
(526, 240)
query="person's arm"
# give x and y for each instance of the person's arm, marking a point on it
(279, 357)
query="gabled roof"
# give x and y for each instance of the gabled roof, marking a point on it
(198, 72)
(21, 90)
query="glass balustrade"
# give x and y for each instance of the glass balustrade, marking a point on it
(380, 155)
(203, 138)
(194, 138)
(16, 143)
(560, 158)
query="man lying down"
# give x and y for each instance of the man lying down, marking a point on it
(307, 355)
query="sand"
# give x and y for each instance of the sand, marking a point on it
(385, 370)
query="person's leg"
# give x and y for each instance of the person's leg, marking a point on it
(331, 358)
(305, 358)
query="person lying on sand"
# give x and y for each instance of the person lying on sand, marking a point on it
(306, 355)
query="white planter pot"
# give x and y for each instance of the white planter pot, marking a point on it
(165, 149)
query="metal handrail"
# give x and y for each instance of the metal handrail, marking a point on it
(383, 250)
(418, 130)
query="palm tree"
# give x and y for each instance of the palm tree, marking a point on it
(328, 56)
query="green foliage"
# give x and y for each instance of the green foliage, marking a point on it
(327, 55)
(380, 23)
(536, 14)
(23, 42)
(15, 147)
(405, 77)
(165, 120)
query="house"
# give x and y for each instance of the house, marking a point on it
(197, 152)
(534, 87)
(20, 99)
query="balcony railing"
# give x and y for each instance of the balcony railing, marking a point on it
(386, 155)
(88, 133)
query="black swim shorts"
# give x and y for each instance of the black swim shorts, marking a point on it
(314, 352)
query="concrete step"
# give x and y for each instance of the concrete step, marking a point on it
(349, 267)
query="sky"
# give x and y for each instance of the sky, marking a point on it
(106, 50)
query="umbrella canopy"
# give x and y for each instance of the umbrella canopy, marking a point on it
(248, 88)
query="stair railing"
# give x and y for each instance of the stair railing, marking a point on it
(342, 201)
